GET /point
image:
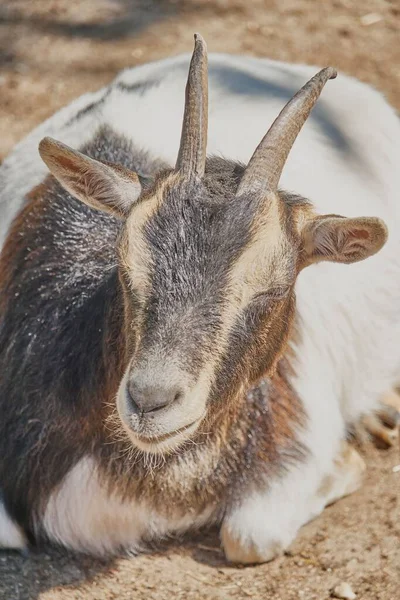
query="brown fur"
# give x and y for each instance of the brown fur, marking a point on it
(204, 277)
(247, 433)
(251, 436)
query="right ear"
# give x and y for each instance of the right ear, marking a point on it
(103, 186)
(343, 240)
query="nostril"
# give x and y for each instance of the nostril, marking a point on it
(157, 408)
(150, 398)
(162, 399)
(178, 396)
(133, 406)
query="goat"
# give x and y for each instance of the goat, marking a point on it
(179, 345)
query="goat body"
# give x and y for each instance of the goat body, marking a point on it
(67, 472)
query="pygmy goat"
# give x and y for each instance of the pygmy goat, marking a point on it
(157, 372)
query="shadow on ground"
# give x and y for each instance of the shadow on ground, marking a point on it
(132, 16)
(42, 570)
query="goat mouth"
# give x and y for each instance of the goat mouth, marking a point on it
(166, 436)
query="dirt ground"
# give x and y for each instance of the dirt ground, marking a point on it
(52, 51)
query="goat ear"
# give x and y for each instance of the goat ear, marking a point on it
(342, 240)
(103, 186)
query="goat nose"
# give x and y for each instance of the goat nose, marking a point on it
(150, 398)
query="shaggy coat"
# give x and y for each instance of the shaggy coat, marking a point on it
(197, 283)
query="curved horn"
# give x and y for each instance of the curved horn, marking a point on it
(191, 159)
(265, 166)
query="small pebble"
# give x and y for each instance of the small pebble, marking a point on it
(371, 19)
(343, 590)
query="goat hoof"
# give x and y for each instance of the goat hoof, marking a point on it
(247, 553)
(380, 427)
(390, 416)
(384, 425)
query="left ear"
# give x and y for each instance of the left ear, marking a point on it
(103, 186)
(342, 240)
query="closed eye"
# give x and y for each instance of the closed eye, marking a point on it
(273, 294)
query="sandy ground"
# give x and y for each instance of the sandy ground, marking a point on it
(53, 50)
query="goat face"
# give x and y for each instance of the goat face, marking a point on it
(204, 273)
(208, 258)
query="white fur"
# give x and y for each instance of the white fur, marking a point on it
(11, 535)
(350, 315)
(268, 522)
(84, 516)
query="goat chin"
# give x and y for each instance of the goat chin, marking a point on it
(166, 444)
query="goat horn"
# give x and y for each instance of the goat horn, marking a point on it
(191, 160)
(265, 166)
